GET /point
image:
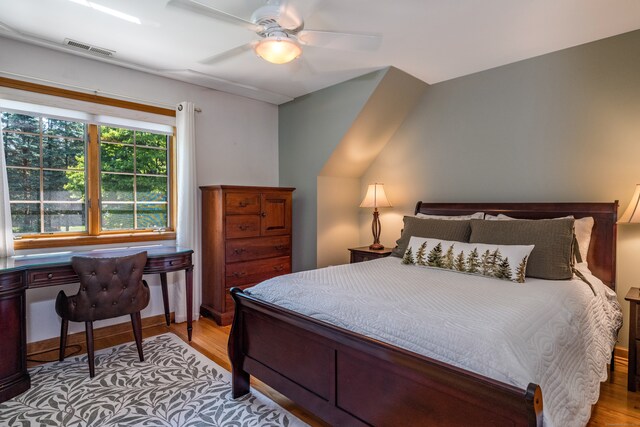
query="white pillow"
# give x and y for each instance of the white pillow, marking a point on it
(505, 262)
(583, 227)
(477, 215)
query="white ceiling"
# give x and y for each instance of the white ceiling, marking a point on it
(434, 40)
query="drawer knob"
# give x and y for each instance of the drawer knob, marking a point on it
(50, 276)
(239, 251)
(244, 204)
(170, 262)
(243, 227)
(278, 267)
(239, 273)
(263, 214)
(281, 247)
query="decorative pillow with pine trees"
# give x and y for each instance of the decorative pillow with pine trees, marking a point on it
(505, 262)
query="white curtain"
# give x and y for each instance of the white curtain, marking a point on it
(6, 235)
(188, 223)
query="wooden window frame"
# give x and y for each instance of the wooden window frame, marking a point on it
(94, 236)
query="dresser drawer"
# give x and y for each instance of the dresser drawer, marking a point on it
(237, 226)
(251, 272)
(51, 276)
(242, 203)
(637, 358)
(361, 257)
(257, 248)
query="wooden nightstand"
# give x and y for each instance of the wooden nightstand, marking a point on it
(363, 253)
(633, 296)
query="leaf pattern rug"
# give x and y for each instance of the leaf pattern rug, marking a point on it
(174, 386)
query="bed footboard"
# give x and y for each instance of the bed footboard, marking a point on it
(349, 379)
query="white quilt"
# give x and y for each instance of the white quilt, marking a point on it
(553, 333)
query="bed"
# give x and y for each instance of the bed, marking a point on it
(349, 378)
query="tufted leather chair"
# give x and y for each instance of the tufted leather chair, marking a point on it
(109, 287)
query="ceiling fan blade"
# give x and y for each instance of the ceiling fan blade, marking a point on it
(238, 50)
(5, 27)
(344, 41)
(202, 8)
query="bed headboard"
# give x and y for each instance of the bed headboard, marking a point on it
(602, 249)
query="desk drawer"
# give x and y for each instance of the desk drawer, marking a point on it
(10, 282)
(51, 276)
(258, 248)
(178, 262)
(251, 272)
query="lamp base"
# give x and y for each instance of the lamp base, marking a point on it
(375, 229)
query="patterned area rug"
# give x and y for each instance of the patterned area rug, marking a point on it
(174, 386)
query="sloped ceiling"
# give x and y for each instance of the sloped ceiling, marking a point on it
(385, 110)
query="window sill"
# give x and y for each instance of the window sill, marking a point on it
(54, 242)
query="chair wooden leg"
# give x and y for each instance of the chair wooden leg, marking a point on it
(63, 338)
(89, 332)
(136, 322)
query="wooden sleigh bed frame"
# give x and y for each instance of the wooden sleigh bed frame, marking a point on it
(350, 379)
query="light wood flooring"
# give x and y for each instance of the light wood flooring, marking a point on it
(616, 407)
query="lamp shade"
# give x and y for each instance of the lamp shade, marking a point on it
(278, 50)
(376, 197)
(632, 214)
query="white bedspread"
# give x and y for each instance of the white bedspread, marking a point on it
(553, 333)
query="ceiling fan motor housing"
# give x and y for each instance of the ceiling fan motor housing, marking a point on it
(281, 31)
(274, 20)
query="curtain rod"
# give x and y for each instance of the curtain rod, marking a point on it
(196, 109)
(93, 91)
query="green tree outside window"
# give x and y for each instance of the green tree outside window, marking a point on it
(47, 173)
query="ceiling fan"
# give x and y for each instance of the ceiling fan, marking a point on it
(280, 31)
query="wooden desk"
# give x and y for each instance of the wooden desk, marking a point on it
(19, 273)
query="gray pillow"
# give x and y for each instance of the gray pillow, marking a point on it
(442, 229)
(552, 255)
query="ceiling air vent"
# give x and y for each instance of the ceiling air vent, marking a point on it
(89, 48)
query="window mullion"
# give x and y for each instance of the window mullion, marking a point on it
(93, 180)
(41, 174)
(135, 182)
(172, 194)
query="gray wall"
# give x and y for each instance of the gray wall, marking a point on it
(310, 127)
(560, 127)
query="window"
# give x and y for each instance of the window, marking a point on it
(134, 179)
(86, 182)
(46, 173)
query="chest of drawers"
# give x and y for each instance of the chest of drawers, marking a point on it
(246, 238)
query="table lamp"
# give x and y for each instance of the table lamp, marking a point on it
(632, 214)
(375, 198)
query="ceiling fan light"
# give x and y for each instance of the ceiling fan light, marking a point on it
(278, 50)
